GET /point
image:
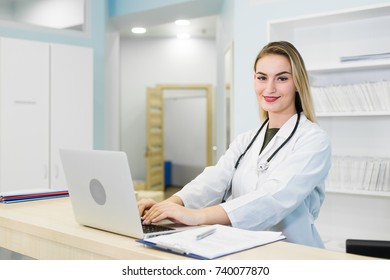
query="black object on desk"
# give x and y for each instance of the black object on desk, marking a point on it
(370, 248)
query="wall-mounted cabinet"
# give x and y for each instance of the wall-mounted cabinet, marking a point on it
(347, 55)
(24, 114)
(46, 102)
(71, 104)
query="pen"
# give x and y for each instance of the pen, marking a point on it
(175, 248)
(205, 234)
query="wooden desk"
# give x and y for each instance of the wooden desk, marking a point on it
(47, 230)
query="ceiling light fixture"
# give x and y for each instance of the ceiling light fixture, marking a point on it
(182, 22)
(138, 30)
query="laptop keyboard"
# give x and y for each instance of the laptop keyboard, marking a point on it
(155, 228)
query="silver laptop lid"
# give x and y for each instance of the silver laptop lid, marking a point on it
(101, 190)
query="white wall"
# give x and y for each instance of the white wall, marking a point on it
(185, 133)
(147, 62)
(225, 31)
(112, 91)
(6, 11)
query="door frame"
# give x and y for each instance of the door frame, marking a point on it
(209, 112)
(158, 172)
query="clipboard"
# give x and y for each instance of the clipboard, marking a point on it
(224, 240)
(171, 249)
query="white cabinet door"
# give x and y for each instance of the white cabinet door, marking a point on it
(24, 114)
(71, 119)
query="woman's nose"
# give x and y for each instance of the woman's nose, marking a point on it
(270, 86)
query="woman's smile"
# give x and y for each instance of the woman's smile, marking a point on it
(270, 98)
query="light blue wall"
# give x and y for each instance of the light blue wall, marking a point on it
(97, 15)
(123, 7)
(250, 34)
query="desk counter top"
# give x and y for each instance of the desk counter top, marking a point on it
(46, 229)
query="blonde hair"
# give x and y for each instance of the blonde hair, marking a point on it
(303, 99)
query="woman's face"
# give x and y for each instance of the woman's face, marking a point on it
(274, 86)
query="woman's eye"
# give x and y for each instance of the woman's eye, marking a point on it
(282, 79)
(261, 78)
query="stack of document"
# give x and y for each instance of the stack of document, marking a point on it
(364, 97)
(359, 173)
(30, 195)
(210, 242)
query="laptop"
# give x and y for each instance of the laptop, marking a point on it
(102, 193)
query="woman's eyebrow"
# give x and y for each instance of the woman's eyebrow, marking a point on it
(282, 73)
(278, 74)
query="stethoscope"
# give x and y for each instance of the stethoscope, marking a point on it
(264, 166)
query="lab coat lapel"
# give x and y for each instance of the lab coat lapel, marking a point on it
(277, 140)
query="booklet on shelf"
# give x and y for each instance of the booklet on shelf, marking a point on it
(362, 97)
(359, 174)
(365, 57)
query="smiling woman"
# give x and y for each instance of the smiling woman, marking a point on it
(287, 74)
(274, 87)
(276, 186)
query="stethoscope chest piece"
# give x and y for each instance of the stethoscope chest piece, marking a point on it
(263, 167)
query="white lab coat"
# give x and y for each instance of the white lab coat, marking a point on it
(287, 197)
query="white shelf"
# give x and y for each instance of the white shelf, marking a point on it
(322, 40)
(340, 16)
(354, 127)
(350, 66)
(358, 192)
(353, 114)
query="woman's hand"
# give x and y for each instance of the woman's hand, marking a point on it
(177, 213)
(174, 212)
(144, 205)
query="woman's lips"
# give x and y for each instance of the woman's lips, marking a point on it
(270, 98)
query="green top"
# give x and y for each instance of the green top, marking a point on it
(269, 134)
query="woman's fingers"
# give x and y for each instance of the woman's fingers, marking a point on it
(144, 205)
(160, 211)
(173, 212)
